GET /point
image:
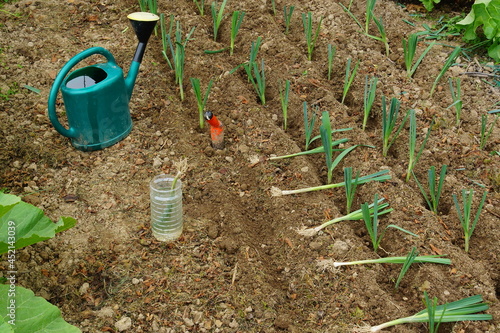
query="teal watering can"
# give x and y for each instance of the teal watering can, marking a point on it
(96, 97)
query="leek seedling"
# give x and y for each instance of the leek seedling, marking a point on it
(431, 259)
(447, 65)
(464, 309)
(326, 138)
(464, 218)
(383, 35)
(308, 31)
(485, 132)
(410, 259)
(409, 50)
(201, 100)
(349, 77)
(200, 4)
(273, 7)
(258, 79)
(348, 11)
(287, 15)
(350, 187)
(456, 95)
(434, 192)
(254, 49)
(379, 176)
(149, 6)
(369, 97)
(316, 150)
(354, 216)
(431, 312)
(217, 16)
(308, 125)
(330, 54)
(369, 16)
(235, 27)
(370, 217)
(413, 142)
(164, 34)
(284, 93)
(176, 47)
(389, 123)
(370, 5)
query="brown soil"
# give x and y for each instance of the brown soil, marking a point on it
(240, 265)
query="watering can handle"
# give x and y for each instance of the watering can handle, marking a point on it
(70, 132)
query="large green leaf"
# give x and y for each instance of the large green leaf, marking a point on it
(26, 224)
(32, 313)
(429, 4)
(485, 14)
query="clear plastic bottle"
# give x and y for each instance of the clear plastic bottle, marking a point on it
(166, 208)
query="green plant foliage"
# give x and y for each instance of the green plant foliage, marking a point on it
(429, 4)
(33, 314)
(28, 222)
(484, 14)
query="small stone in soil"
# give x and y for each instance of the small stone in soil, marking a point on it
(316, 245)
(213, 231)
(229, 246)
(84, 288)
(282, 322)
(340, 247)
(106, 312)
(123, 324)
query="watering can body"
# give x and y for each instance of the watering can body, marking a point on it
(96, 99)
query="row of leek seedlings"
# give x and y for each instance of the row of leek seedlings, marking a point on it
(435, 191)
(310, 34)
(464, 214)
(354, 216)
(200, 98)
(409, 50)
(461, 310)
(456, 96)
(369, 97)
(414, 156)
(370, 217)
(349, 77)
(485, 131)
(176, 48)
(284, 98)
